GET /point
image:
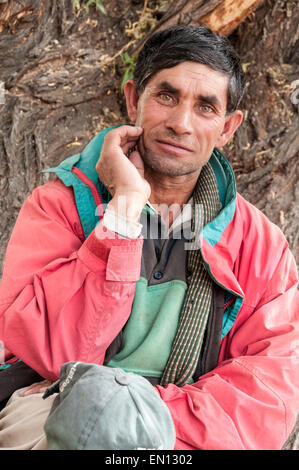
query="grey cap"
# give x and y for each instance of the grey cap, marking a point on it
(105, 408)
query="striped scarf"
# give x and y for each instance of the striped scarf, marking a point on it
(187, 343)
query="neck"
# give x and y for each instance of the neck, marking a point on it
(170, 192)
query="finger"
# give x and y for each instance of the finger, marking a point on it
(37, 387)
(140, 145)
(27, 391)
(129, 134)
(128, 146)
(34, 390)
(137, 161)
(125, 130)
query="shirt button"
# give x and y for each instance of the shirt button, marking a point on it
(122, 379)
(158, 275)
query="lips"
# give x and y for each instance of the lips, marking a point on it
(173, 146)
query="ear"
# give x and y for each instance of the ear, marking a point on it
(232, 122)
(132, 98)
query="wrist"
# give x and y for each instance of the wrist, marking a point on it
(120, 225)
(128, 205)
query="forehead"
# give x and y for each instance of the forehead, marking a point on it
(192, 78)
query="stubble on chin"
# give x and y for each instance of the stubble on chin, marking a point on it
(163, 165)
(166, 167)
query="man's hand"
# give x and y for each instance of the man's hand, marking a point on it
(123, 176)
(37, 387)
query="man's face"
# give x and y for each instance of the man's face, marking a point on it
(183, 115)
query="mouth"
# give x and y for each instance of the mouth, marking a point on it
(173, 147)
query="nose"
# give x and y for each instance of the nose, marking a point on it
(180, 119)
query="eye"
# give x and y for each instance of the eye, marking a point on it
(166, 97)
(205, 108)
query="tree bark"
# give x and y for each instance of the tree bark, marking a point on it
(222, 16)
(227, 16)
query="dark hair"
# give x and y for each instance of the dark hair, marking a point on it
(177, 44)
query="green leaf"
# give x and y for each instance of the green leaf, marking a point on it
(101, 7)
(87, 5)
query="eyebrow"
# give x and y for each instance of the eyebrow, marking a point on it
(210, 99)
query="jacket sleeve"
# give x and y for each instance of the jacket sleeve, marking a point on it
(63, 298)
(251, 399)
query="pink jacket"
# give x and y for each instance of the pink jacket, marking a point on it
(64, 298)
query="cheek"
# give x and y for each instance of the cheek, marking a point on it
(208, 130)
(150, 115)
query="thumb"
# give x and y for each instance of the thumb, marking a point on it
(137, 161)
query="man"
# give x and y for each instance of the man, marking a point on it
(206, 309)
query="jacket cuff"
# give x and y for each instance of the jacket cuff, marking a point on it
(122, 256)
